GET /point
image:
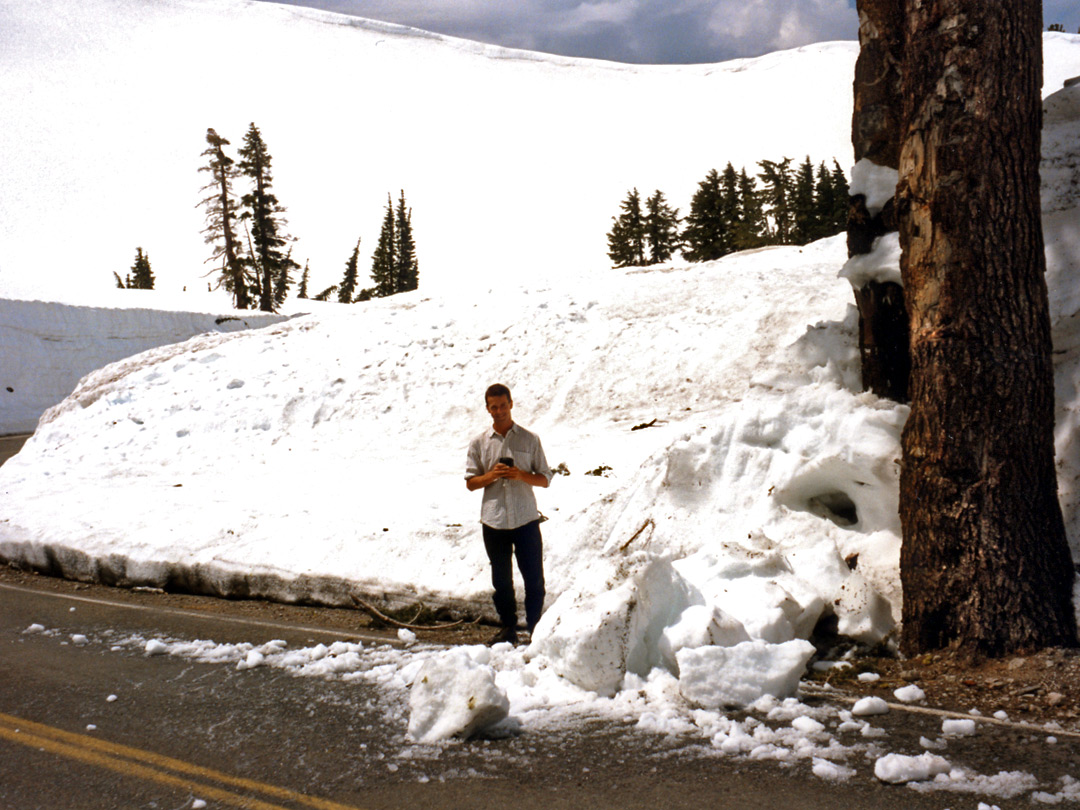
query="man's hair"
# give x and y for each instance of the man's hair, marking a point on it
(497, 390)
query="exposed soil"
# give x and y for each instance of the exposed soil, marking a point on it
(1039, 688)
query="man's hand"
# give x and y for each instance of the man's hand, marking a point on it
(502, 472)
(515, 474)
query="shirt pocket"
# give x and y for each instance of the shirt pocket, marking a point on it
(523, 460)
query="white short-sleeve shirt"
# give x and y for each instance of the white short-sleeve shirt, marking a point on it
(507, 504)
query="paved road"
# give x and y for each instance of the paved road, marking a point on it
(180, 731)
(10, 445)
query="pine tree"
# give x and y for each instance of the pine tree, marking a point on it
(661, 228)
(142, 277)
(325, 294)
(302, 291)
(407, 269)
(220, 228)
(730, 201)
(348, 283)
(626, 240)
(840, 200)
(751, 229)
(707, 233)
(261, 208)
(805, 217)
(384, 260)
(777, 195)
(119, 281)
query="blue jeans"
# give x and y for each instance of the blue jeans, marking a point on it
(526, 544)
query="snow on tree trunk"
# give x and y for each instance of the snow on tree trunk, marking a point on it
(875, 135)
(984, 563)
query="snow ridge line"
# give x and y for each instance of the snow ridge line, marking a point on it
(818, 691)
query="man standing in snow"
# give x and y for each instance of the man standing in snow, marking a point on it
(506, 462)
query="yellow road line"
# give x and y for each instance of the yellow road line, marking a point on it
(153, 767)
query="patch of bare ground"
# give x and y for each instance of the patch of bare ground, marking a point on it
(1037, 688)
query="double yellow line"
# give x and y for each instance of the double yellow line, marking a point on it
(202, 783)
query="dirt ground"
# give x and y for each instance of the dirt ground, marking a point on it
(1040, 688)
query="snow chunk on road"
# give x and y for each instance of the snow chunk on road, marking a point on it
(156, 646)
(958, 728)
(910, 694)
(897, 769)
(712, 677)
(455, 696)
(869, 706)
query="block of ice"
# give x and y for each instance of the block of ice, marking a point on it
(699, 626)
(899, 768)
(712, 677)
(454, 696)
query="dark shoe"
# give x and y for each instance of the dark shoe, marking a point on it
(507, 634)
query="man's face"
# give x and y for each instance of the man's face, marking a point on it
(499, 408)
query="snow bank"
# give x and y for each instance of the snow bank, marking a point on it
(47, 346)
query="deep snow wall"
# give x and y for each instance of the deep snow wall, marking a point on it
(47, 347)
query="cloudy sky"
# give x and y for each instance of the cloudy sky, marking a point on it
(643, 31)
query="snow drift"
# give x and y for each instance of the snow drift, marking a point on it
(727, 486)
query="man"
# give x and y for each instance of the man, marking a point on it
(506, 462)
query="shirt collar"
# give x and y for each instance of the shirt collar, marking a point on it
(494, 434)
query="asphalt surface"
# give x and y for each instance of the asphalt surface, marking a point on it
(179, 731)
(10, 445)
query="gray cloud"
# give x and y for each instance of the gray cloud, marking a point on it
(640, 31)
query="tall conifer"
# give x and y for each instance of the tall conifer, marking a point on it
(142, 277)
(384, 259)
(221, 207)
(706, 234)
(260, 206)
(626, 240)
(661, 228)
(407, 269)
(348, 283)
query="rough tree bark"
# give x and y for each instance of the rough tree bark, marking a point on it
(875, 136)
(985, 565)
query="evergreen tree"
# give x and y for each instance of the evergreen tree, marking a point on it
(840, 199)
(220, 228)
(325, 294)
(730, 200)
(661, 228)
(777, 195)
(142, 277)
(348, 283)
(407, 269)
(751, 229)
(119, 281)
(302, 291)
(804, 208)
(707, 234)
(384, 260)
(271, 263)
(626, 240)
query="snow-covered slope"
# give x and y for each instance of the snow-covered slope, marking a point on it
(513, 162)
(743, 487)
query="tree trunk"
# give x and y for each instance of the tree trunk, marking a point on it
(875, 136)
(984, 565)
